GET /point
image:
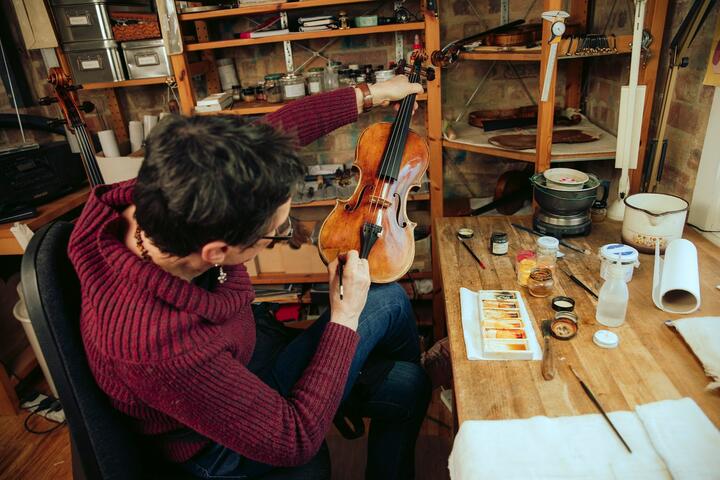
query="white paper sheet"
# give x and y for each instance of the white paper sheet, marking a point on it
(676, 280)
(471, 327)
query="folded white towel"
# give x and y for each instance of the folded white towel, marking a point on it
(702, 334)
(584, 447)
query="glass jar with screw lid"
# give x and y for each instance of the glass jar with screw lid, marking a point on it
(293, 86)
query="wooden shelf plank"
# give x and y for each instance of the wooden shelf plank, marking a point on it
(414, 197)
(242, 42)
(267, 8)
(279, 278)
(125, 83)
(260, 108)
(527, 156)
(623, 45)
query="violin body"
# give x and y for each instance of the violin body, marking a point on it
(376, 201)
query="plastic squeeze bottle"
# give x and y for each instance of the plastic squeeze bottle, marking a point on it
(613, 298)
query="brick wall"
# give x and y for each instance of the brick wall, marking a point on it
(690, 107)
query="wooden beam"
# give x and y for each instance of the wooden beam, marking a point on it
(655, 15)
(546, 110)
(181, 70)
(119, 124)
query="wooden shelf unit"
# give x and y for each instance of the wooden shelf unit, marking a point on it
(542, 156)
(295, 36)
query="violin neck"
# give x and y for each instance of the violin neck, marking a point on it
(87, 154)
(392, 157)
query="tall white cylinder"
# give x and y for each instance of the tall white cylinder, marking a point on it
(227, 73)
(136, 135)
(109, 143)
(149, 121)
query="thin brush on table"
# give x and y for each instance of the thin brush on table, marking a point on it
(592, 398)
(584, 251)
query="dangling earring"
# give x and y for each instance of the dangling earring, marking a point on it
(222, 276)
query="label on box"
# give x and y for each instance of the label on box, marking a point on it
(146, 59)
(78, 20)
(90, 64)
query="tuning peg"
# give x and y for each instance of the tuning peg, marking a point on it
(56, 123)
(47, 100)
(87, 107)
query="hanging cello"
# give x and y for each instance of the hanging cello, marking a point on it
(391, 160)
(65, 98)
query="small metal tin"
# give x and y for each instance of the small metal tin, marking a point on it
(465, 233)
(564, 326)
(146, 59)
(95, 61)
(563, 304)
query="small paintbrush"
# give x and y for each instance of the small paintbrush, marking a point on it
(592, 398)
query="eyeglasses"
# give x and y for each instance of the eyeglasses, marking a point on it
(284, 233)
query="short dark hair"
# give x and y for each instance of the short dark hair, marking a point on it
(209, 178)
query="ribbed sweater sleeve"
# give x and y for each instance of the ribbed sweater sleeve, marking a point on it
(315, 116)
(221, 399)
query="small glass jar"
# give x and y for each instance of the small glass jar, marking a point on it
(499, 243)
(524, 264)
(260, 93)
(314, 80)
(344, 78)
(360, 78)
(546, 251)
(236, 93)
(293, 86)
(384, 75)
(540, 282)
(273, 92)
(598, 211)
(248, 94)
(330, 78)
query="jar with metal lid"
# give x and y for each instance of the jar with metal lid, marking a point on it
(273, 92)
(598, 211)
(499, 243)
(314, 80)
(540, 282)
(330, 78)
(260, 93)
(248, 95)
(360, 78)
(384, 75)
(293, 86)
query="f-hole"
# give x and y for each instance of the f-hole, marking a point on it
(398, 209)
(352, 208)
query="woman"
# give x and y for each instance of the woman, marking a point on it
(211, 382)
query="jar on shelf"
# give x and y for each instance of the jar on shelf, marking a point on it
(237, 93)
(540, 282)
(344, 78)
(248, 94)
(330, 78)
(598, 211)
(293, 86)
(384, 75)
(273, 92)
(314, 80)
(260, 93)
(524, 264)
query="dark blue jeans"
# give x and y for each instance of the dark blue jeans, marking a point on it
(395, 401)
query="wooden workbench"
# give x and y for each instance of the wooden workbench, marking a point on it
(651, 363)
(46, 213)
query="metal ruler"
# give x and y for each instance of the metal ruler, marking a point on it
(287, 47)
(504, 12)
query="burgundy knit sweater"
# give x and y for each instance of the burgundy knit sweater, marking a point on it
(172, 356)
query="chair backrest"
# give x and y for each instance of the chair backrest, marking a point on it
(104, 444)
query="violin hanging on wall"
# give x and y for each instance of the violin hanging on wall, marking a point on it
(391, 160)
(65, 98)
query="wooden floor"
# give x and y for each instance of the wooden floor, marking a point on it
(47, 457)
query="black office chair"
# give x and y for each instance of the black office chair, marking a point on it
(102, 445)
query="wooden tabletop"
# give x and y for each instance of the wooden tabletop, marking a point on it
(46, 213)
(651, 363)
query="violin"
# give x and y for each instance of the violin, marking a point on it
(391, 160)
(65, 98)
